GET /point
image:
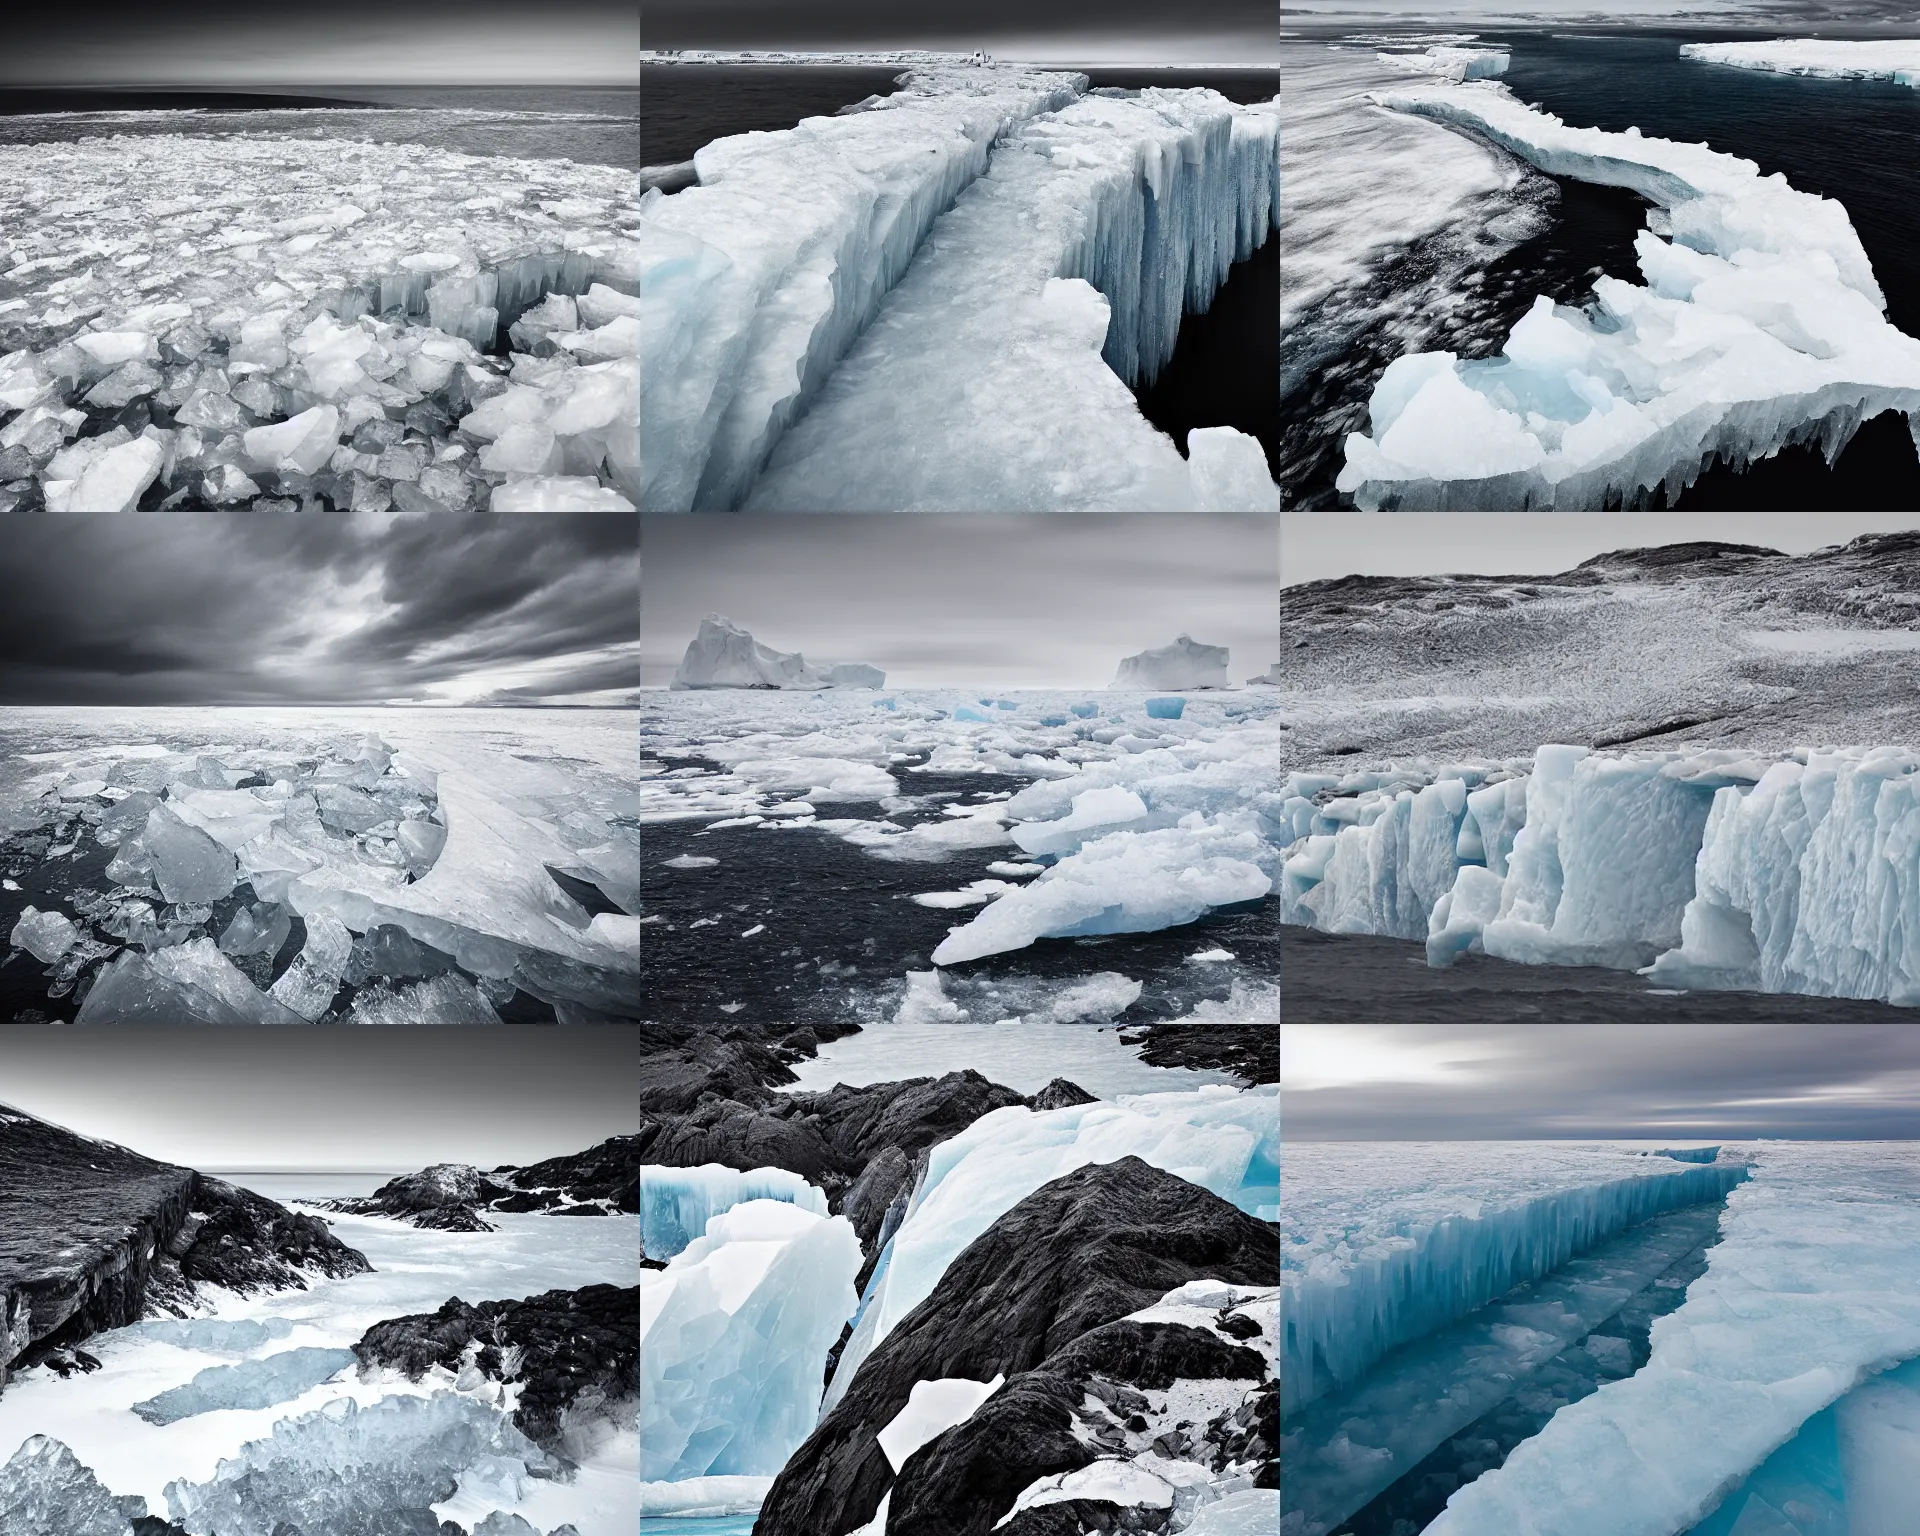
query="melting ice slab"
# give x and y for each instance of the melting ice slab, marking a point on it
(1895, 59)
(1759, 324)
(1059, 274)
(1385, 1242)
(1812, 1287)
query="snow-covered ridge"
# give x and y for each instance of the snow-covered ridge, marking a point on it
(249, 319)
(1895, 59)
(1384, 1242)
(1708, 869)
(1760, 324)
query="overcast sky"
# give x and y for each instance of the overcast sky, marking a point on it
(965, 600)
(1067, 31)
(329, 1099)
(1491, 1082)
(218, 43)
(262, 608)
(1317, 545)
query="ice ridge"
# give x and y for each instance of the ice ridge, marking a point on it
(1058, 276)
(1382, 1244)
(1707, 869)
(1760, 324)
(755, 282)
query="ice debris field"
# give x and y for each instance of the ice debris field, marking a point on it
(1759, 324)
(309, 872)
(836, 312)
(737, 1325)
(1133, 819)
(1789, 872)
(276, 322)
(1767, 1404)
(255, 1412)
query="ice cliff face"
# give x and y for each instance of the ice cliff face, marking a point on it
(1709, 869)
(309, 323)
(723, 655)
(1895, 59)
(1759, 324)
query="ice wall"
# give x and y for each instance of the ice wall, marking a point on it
(677, 1203)
(1812, 1287)
(754, 282)
(1759, 324)
(1383, 1243)
(734, 1335)
(1059, 275)
(1895, 59)
(1225, 1140)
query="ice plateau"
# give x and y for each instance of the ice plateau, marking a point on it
(723, 655)
(788, 333)
(272, 321)
(1759, 324)
(1895, 59)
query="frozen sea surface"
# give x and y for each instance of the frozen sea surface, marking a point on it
(415, 1270)
(403, 865)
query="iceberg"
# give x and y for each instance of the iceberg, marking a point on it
(1895, 59)
(1057, 278)
(1223, 1140)
(677, 1203)
(723, 655)
(1186, 663)
(1759, 324)
(1810, 1291)
(735, 1333)
(1385, 1242)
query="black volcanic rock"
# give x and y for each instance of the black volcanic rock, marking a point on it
(453, 1196)
(1081, 1252)
(578, 1351)
(94, 1236)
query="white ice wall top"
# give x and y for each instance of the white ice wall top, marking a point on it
(1813, 1285)
(723, 655)
(734, 1335)
(1384, 1242)
(1228, 1141)
(754, 283)
(677, 1203)
(1708, 868)
(1186, 663)
(1452, 61)
(994, 377)
(1895, 59)
(1759, 324)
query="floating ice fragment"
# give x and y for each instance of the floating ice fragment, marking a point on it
(689, 861)
(187, 864)
(191, 983)
(307, 987)
(44, 935)
(301, 444)
(438, 1000)
(250, 1384)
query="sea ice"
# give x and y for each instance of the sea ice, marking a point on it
(1186, 663)
(735, 1333)
(677, 1203)
(1760, 324)
(1227, 1141)
(1059, 276)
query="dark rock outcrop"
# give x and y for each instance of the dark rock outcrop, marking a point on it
(1078, 1254)
(94, 1236)
(453, 1196)
(575, 1353)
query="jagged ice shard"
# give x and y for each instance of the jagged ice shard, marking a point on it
(1091, 224)
(1760, 324)
(1703, 869)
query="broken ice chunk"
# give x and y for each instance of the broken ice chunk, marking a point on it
(44, 935)
(442, 1000)
(257, 930)
(215, 412)
(113, 482)
(558, 493)
(525, 448)
(421, 842)
(187, 863)
(309, 984)
(125, 384)
(302, 444)
(228, 484)
(191, 983)
(600, 305)
(619, 337)
(112, 348)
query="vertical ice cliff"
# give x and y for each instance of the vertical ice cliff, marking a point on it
(754, 283)
(1059, 276)
(1384, 1242)
(677, 1203)
(1759, 324)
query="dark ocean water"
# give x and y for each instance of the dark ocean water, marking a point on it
(1853, 141)
(1225, 370)
(595, 125)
